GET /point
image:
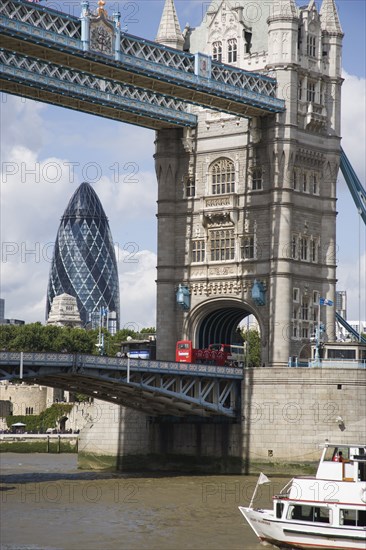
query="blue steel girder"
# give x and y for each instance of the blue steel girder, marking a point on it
(358, 337)
(355, 187)
(153, 387)
(51, 83)
(146, 64)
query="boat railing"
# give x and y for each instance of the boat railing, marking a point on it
(285, 491)
(281, 496)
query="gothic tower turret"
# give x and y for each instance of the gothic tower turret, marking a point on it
(280, 145)
(169, 32)
(332, 36)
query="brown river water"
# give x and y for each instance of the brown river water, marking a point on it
(48, 504)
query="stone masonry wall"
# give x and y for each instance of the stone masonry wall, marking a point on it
(289, 412)
(111, 432)
(23, 397)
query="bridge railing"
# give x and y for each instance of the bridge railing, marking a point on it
(79, 361)
(330, 364)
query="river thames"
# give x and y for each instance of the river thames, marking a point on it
(48, 504)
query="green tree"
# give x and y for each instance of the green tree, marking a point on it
(149, 330)
(46, 419)
(38, 337)
(253, 342)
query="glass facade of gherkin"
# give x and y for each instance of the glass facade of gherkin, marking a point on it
(84, 262)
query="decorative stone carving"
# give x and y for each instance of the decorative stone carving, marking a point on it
(218, 288)
(188, 140)
(220, 271)
(217, 218)
(217, 202)
(199, 273)
(309, 158)
(101, 31)
(101, 39)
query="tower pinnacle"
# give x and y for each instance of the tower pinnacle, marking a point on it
(329, 17)
(284, 8)
(169, 32)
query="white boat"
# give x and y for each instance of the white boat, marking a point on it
(327, 510)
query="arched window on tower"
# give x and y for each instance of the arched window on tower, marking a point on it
(198, 251)
(257, 178)
(190, 186)
(223, 177)
(310, 91)
(222, 245)
(248, 41)
(217, 51)
(232, 50)
(305, 309)
(311, 45)
(247, 247)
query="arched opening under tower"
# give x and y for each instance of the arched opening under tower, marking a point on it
(221, 321)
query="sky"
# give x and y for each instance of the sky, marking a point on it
(46, 152)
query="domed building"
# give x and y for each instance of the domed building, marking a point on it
(84, 262)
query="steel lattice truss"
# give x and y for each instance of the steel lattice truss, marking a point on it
(150, 51)
(55, 37)
(43, 18)
(153, 387)
(151, 110)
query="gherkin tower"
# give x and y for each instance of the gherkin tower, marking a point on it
(84, 262)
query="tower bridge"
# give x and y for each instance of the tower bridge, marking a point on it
(247, 118)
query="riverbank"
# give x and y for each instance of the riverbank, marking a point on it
(39, 443)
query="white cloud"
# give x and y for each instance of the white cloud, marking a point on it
(29, 133)
(137, 273)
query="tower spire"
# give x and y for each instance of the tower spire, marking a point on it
(169, 32)
(329, 17)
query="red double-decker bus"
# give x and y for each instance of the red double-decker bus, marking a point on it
(186, 353)
(215, 354)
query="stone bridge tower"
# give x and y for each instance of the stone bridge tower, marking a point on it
(247, 207)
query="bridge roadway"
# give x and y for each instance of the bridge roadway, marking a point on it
(47, 55)
(153, 387)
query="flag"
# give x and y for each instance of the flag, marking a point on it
(325, 302)
(263, 479)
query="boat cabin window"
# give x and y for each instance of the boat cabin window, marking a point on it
(279, 509)
(352, 517)
(318, 514)
(332, 454)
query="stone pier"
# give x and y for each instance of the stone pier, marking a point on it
(286, 413)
